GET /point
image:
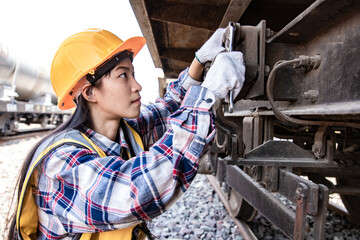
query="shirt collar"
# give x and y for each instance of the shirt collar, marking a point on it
(110, 147)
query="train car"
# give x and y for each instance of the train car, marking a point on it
(26, 96)
(294, 129)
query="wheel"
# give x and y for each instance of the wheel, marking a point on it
(240, 208)
(351, 202)
(44, 120)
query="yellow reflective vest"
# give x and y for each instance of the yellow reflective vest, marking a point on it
(26, 216)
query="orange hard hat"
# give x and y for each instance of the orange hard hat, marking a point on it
(81, 54)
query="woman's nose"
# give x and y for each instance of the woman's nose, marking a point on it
(136, 86)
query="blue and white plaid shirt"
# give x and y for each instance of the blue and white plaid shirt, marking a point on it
(78, 191)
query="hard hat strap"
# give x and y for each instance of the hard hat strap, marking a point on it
(93, 76)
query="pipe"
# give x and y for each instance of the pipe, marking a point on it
(304, 61)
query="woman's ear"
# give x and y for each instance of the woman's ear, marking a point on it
(88, 92)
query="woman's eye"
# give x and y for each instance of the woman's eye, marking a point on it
(123, 75)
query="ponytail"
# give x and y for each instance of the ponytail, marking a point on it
(80, 117)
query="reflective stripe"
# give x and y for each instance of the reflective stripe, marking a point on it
(26, 222)
(26, 215)
(135, 140)
(96, 148)
(120, 234)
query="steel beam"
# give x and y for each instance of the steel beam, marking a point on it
(261, 199)
(234, 12)
(142, 16)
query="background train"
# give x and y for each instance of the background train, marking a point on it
(297, 120)
(26, 96)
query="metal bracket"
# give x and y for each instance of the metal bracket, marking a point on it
(250, 40)
(319, 147)
(252, 45)
(320, 219)
(232, 145)
(301, 206)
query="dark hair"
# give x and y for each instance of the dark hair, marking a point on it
(79, 117)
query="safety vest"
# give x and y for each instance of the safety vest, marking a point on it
(27, 216)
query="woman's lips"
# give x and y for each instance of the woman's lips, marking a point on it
(138, 100)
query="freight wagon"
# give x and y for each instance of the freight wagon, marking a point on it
(26, 96)
(296, 123)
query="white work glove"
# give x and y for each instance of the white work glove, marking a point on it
(212, 47)
(227, 73)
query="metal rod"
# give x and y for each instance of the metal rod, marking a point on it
(231, 101)
(297, 19)
(229, 48)
(300, 219)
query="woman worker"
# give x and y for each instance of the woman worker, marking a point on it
(112, 166)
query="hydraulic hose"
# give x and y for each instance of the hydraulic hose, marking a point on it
(308, 62)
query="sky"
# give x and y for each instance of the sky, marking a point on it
(33, 30)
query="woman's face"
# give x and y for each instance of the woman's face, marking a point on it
(118, 95)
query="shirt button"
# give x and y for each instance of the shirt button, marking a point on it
(209, 100)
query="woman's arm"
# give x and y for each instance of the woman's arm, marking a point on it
(196, 70)
(88, 193)
(152, 123)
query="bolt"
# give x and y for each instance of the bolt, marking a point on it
(268, 181)
(311, 95)
(267, 70)
(315, 61)
(269, 33)
(299, 193)
(316, 150)
(208, 166)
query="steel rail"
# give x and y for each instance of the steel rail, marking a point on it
(243, 228)
(22, 135)
(341, 211)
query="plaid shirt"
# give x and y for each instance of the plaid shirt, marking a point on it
(80, 192)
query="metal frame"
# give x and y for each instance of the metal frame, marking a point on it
(307, 195)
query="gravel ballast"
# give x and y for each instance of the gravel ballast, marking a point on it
(198, 214)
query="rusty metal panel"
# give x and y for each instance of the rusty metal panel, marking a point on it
(200, 14)
(178, 37)
(187, 24)
(335, 83)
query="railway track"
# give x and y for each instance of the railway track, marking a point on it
(176, 214)
(244, 228)
(25, 134)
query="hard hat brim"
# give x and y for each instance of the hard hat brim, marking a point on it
(134, 44)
